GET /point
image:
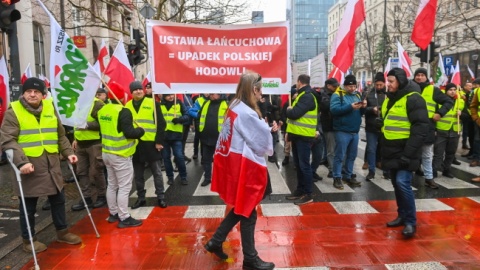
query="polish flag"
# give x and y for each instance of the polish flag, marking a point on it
(26, 74)
(119, 70)
(424, 23)
(44, 79)
(388, 67)
(344, 44)
(403, 60)
(240, 170)
(146, 80)
(456, 74)
(4, 88)
(471, 73)
(337, 74)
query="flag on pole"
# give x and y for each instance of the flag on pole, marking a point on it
(472, 76)
(4, 88)
(337, 74)
(146, 80)
(440, 76)
(456, 74)
(118, 68)
(44, 79)
(403, 60)
(388, 67)
(344, 44)
(73, 80)
(102, 59)
(424, 23)
(26, 74)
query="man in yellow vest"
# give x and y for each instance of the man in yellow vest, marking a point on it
(193, 112)
(118, 146)
(473, 104)
(405, 126)
(32, 128)
(301, 131)
(149, 145)
(438, 104)
(88, 148)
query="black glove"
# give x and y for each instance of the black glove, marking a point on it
(176, 120)
(378, 123)
(404, 162)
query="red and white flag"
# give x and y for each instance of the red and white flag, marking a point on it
(4, 88)
(344, 44)
(337, 74)
(102, 59)
(472, 76)
(388, 67)
(240, 170)
(424, 25)
(456, 74)
(26, 74)
(403, 60)
(146, 80)
(45, 80)
(118, 68)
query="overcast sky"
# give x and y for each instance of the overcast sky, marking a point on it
(273, 10)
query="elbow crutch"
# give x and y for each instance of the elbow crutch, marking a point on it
(9, 153)
(83, 199)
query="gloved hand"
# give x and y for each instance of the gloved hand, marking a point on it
(176, 120)
(404, 162)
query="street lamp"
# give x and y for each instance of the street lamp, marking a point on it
(475, 62)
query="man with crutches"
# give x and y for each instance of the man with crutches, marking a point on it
(32, 129)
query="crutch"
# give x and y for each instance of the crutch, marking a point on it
(9, 153)
(83, 199)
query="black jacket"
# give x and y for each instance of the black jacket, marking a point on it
(209, 134)
(326, 118)
(304, 104)
(374, 99)
(406, 153)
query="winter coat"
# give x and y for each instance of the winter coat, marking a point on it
(326, 117)
(345, 118)
(374, 99)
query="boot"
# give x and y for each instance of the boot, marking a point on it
(257, 264)
(80, 206)
(64, 236)
(101, 201)
(38, 246)
(285, 161)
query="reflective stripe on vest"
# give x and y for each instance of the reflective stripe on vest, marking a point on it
(396, 124)
(114, 142)
(427, 94)
(221, 115)
(87, 135)
(36, 136)
(169, 115)
(305, 125)
(144, 118)
(450, 119)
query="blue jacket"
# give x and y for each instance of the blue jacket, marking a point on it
(345, 118)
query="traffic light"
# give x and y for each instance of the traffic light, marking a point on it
(135, 50)
(422, 55)
(8, 13)
(433, 52)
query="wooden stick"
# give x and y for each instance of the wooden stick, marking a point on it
(154, 110)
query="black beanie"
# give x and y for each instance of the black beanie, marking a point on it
(476, 81)
(101, 90)
(421, 70)
(379, 77)
(350, 80)
(135, 85)
(34, 83)
(332, 81)
(450, 85)
(400, 75)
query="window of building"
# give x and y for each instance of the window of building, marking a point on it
(109, 15)
(396, 8)
(396, 23)
(77, 24)
(449, 38)
(38, 50)
(455, 36)
(93, 10)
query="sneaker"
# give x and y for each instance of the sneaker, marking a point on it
(337, 183)
(353, 182)
(129, 222)
(184, 181)
(113, 218)
(170, 181)
(316, 177)
(307, 198)
(295, 195)
(370, 176)
(101, 201)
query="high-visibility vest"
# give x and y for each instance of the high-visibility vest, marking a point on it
(305, 125)
(201, 100)
(221, 115)
(114, 142)
(144, 118)
(396, 124)
(427, 94)
(450, 119)
(169, 115)
(37, 135)
(87, 135)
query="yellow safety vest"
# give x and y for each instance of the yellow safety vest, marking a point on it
(201, 100)
(221, 115)
(305, 125)
(169, 115)
(37, 135)
(114, 142)
(144, 118)
(450, 119)
(396, 125)
(427, 94)
(87, 135)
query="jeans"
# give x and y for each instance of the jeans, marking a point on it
(120, 177)
(317, 154)
(301, 156)
(155, 167)
(427, 161)
(372, 142)
(207, 158)
(330, 146)
(175, 147)
(346, 144)
(402, 184)
(247, 232)
(57, 203)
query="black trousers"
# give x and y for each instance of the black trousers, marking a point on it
(207, 158)
(444, 152)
